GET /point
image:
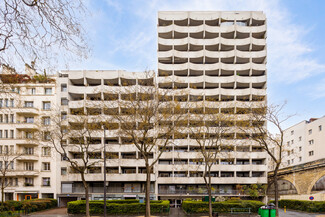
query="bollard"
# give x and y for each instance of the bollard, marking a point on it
(285, 209)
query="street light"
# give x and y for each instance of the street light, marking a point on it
(104, 129)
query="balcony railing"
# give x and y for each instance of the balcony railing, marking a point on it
(201, 191)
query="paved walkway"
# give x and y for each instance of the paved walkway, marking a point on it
(291, 213)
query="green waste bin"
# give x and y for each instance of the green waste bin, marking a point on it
(272, 212)
(264, 212)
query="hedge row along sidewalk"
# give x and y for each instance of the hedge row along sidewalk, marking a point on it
(192, 207)
(303, 205)
(28, 206)
(118, 207)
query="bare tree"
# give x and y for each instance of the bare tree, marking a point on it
(77, 141)
(40, 29)
(7, 160)
(148, 116)
(209, 133)
(271, 142)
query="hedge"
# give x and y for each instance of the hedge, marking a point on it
(30, 205)
(221, 207)
(303, 205)
(117, 207)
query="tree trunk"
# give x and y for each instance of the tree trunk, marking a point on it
(210, 196)
(148, 191)
(276, 191)
(86, 193)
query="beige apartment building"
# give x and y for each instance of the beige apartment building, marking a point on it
(26, 101)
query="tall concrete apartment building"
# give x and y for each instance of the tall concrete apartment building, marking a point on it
(220, 59)
(215, 58)
(24, 108)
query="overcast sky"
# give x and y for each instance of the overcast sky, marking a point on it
(123, 35)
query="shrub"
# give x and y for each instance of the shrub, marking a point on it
(303, 205)
(30, 205)
(222, 207)
(117, 207)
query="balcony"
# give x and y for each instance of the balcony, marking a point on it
(23, 125)
(27, 111)
(29, 157)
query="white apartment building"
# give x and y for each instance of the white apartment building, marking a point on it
(219, 58)
(26, 101)
(304, 142)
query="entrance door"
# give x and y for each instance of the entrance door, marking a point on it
(28, 197)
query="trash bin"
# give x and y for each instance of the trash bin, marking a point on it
(215, 214)
(263, 211)
(272, 212)
(272, 209)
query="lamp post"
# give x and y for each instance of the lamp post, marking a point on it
(104, 129)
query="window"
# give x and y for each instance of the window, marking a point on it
(46, 166)
(6, 103)
(300, 159)
(288, 162)
(48, 91)
(0, 134)
(46, 151)
(6, 134)
(29, 135)
(288, 143)
(6, 119)
(292, 161)
(29, 120)
(0, 164)
(29, 150)
(63, 115)
(310, 131)
(29, 166)
(1, 103)
(47, 136)
(292, 132)
(12, 103)
(46, 120)
(64, 101)
(12, 134)
(46, 105)
(292, 142)
(299, 138)
(320, 127)
(63, 171)
(63, 87)
(311, 153)
(29, 104)
(32, 91)
(300, 148)
(12, 118)
(1, 118)
(288, 153)
(29, 181)
(311, 142)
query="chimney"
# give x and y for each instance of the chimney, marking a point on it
(30, 70)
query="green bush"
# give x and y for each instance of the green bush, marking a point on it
(222, 207)
(303, 205)
(30, 205)
(117, 207)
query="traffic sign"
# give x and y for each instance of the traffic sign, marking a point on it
(311, 198)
